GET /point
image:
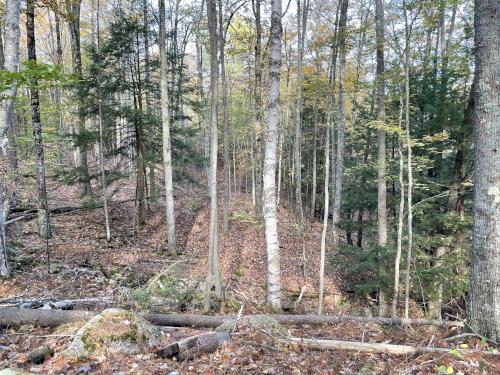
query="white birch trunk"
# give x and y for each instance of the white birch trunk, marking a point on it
(409, 160)
(382, 189)
(11, 64)
(165, 121)
(325, 221)
(400, 218)
(270, 215)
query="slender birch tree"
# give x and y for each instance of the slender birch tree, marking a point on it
(382, 189)
(339, 166)
(10, 64)
(270, 217)
(165, 127)
(399, 241)
(101, 137)
(408, 27)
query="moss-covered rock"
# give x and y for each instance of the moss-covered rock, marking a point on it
(11, 371)
(38, 356)
(112, 331)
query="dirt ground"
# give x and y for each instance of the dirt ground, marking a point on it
(84, 265)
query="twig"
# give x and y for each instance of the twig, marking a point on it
(237, 318)
(299, 299)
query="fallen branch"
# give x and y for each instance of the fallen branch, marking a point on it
(377, 347)
(299, 299)
(53, 303)
(193, 346)
(13, 317)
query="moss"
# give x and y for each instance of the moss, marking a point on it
(89, 343)
(69, 328)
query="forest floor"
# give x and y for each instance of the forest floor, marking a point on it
(135, 271)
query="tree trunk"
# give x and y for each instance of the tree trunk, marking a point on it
(409, 161)
(165, 126)
(10, 64)
(382, 189)
(301, 28)
(257, 180)
(213, 272)
(325, 216)
(484, 297)
(59, 61)
(226, 161)
(400, 217)
(151, 163)
(363, 347)
(194, 346)
(73, 7)
(270, 216)
(43, 215)
(10, 58)
(11, 316)
(101, 136)
(339, 166)
(203, 115)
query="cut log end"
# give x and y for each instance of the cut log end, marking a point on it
(194, 346)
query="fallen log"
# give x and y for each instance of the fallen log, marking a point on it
(377, 347)
(193, 346)
(14, 317)
(54, 303)
(11, 316)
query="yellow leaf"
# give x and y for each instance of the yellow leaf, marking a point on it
(450, 370)
(464, 346)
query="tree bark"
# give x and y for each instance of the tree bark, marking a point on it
(10, 64)
(325, 217)
(257, 162)
(226, 161)
(409, 161)
(11, 316)
(364, 347)
(101, 132)
(399, 240)
(301, 28)
(43, 214)
(213, 272)
(484, 297)
(194, 346)
(73, 7)
(339, 166)
(269, 177)
(381, 183)
(165, 121)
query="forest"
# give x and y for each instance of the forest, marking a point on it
(249, 186)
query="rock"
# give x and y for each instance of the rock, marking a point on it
(112, 331)
(83, 370)
(11, 371)
(38, 356)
